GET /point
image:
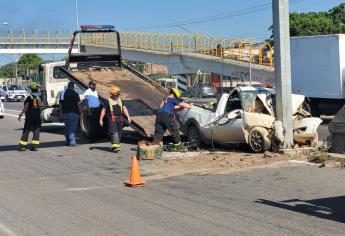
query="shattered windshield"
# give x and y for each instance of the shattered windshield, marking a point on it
(248, 100)
(257, 101)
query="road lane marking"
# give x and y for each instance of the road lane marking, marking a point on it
(12, 110)
(7, 114)
(92, 188)
(6, 231)
(60, 124)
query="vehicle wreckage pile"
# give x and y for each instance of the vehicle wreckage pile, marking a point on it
(247, 116)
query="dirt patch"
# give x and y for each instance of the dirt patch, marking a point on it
(174, 164)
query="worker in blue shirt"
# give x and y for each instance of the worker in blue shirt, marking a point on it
(165, 118)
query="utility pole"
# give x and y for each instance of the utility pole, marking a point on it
(76, 14)
(281, 35)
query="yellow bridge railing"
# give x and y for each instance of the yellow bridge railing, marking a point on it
(240, 50)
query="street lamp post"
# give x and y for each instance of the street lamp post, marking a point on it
(77, 23)
(76, 14)
(16, 67)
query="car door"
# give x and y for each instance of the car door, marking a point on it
(229, 128)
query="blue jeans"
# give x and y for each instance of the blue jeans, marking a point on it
(71, 125)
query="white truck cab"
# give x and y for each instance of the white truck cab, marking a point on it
(53, 82)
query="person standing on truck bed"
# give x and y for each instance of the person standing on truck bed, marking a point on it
(92, 106)
(165, 118)
(32, 112)
(70, 109)
(114, 109)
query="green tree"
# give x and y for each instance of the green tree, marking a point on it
(311, 23)
(28, 61)
(317, 23)
(338, 14)
(8, 71)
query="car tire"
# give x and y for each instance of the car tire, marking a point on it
(259, 140)
(194, 137)
(92, 131)
(85, 125)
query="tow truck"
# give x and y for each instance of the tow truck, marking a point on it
(102, 64)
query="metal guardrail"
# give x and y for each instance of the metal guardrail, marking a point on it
(239, 50)
(234, 49)
(46, 36)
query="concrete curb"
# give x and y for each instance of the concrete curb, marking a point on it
(336, 157)
(296, 151)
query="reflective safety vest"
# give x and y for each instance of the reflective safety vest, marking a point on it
(111, 104)
(36, 101)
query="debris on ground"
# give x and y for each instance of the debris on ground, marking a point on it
(323, 157)
(205, 163)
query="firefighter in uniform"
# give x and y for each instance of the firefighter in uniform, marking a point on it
(32, 119)
(165, 118)
(114, 109)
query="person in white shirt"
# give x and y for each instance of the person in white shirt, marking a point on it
(91, 96)
(93, 110)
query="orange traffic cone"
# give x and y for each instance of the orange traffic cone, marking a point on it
(135, 179)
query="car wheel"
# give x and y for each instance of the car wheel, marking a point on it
(194, 137)
(259, 140)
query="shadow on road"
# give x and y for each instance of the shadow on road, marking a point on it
(331, 208)
(49, 129)
(7, 148)
(103, 149)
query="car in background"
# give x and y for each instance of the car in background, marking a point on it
(202, 90)
(2, 111)
(14, 93)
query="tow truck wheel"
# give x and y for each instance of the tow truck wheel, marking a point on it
(85, 125)
(92, 131)
(194, 137)
(258, 140)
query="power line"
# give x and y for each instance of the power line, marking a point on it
(191, 21)
(217, 17)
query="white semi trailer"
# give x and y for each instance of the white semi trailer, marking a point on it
(318, 71)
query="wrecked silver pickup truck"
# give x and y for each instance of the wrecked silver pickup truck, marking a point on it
(246, 115)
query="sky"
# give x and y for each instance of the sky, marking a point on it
(229, 18)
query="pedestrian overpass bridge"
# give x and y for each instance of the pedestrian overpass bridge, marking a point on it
(182, 53)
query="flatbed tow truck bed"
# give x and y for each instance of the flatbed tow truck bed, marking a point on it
(140, 94)
(141, 97)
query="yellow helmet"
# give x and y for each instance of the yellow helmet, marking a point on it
(176, 92)
(34, 85)
(115, 90)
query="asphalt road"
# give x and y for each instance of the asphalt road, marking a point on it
(61, 190)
